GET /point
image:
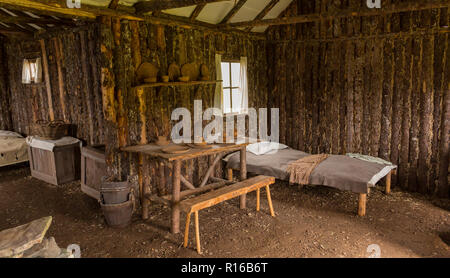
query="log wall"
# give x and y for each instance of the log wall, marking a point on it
(5, 111)
(70, 88)
(139, 116)
(373, 85)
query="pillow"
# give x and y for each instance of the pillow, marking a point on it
(265, 147)
(6, 133)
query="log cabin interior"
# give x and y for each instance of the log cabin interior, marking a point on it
(359, 152)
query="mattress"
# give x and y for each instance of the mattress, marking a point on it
(337, 171)
(13, 148)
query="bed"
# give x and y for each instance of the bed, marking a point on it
(355, 173)
(13, 148)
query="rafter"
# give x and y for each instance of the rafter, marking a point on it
(54, 7)
(158, 5)
(197, 11)
(233, 11)
(173, 20)
(113, 4)
(393, 8)
(24, 20)
(264, 12)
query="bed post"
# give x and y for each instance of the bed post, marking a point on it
(388, 183)
(362, 204)
(243, 170)
(230, 174)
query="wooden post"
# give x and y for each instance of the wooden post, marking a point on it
(269, 200)
(186, 230)
(143, 188)
(388, 183)
(197, 234)
(230, 174)
(176, 197)
(243, 169)
(47, 80)
(258, 191)
(362, 204)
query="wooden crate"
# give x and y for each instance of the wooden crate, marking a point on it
(93, 168)
(62, 165)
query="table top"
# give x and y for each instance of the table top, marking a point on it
(155, 151)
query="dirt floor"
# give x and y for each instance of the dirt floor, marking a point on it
(309, 222)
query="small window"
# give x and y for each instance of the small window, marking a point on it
(31, 71)
(232, 93)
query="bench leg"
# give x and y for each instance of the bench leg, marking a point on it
(269, 200)
(388, 183)
(230, 174)
(197, 234)
(362, 204)
(186, 230)
(257, 199)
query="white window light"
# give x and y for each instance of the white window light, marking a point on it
(31, 71)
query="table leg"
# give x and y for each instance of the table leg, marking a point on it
(176, 197)
(243, 170)
(143, 189)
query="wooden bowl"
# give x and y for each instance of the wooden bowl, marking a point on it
(184, 78)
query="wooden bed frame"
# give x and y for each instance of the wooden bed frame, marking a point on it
(362, 196)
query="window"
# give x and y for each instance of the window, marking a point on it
(232, 87)
(31, 71)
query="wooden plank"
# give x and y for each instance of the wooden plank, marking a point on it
(155, 151)
(226, 193)
(169, 84)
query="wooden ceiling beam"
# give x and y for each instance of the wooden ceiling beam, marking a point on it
(391, 9)
(58, 7)
(113, 4)
(24, 20)
(183, 22)
(264, 12)
(197, 11)
(233, 11)
(158, 5)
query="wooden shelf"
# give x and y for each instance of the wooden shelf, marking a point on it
(170, 84)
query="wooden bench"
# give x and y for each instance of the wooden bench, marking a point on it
(194, 205)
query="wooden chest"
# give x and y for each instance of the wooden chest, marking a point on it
(59, 166)
(93, 168)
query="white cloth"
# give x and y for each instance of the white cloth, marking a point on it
(6, 133)
(49, 145)
(244, 86)
(218, 95)
(265, 147)
(31, 71)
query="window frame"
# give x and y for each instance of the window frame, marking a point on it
(230, 89)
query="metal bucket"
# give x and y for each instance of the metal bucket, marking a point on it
(114, 192)
(119, 215)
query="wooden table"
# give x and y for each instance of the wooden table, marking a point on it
(174, 163)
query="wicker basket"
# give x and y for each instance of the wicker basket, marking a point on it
(50, 130)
